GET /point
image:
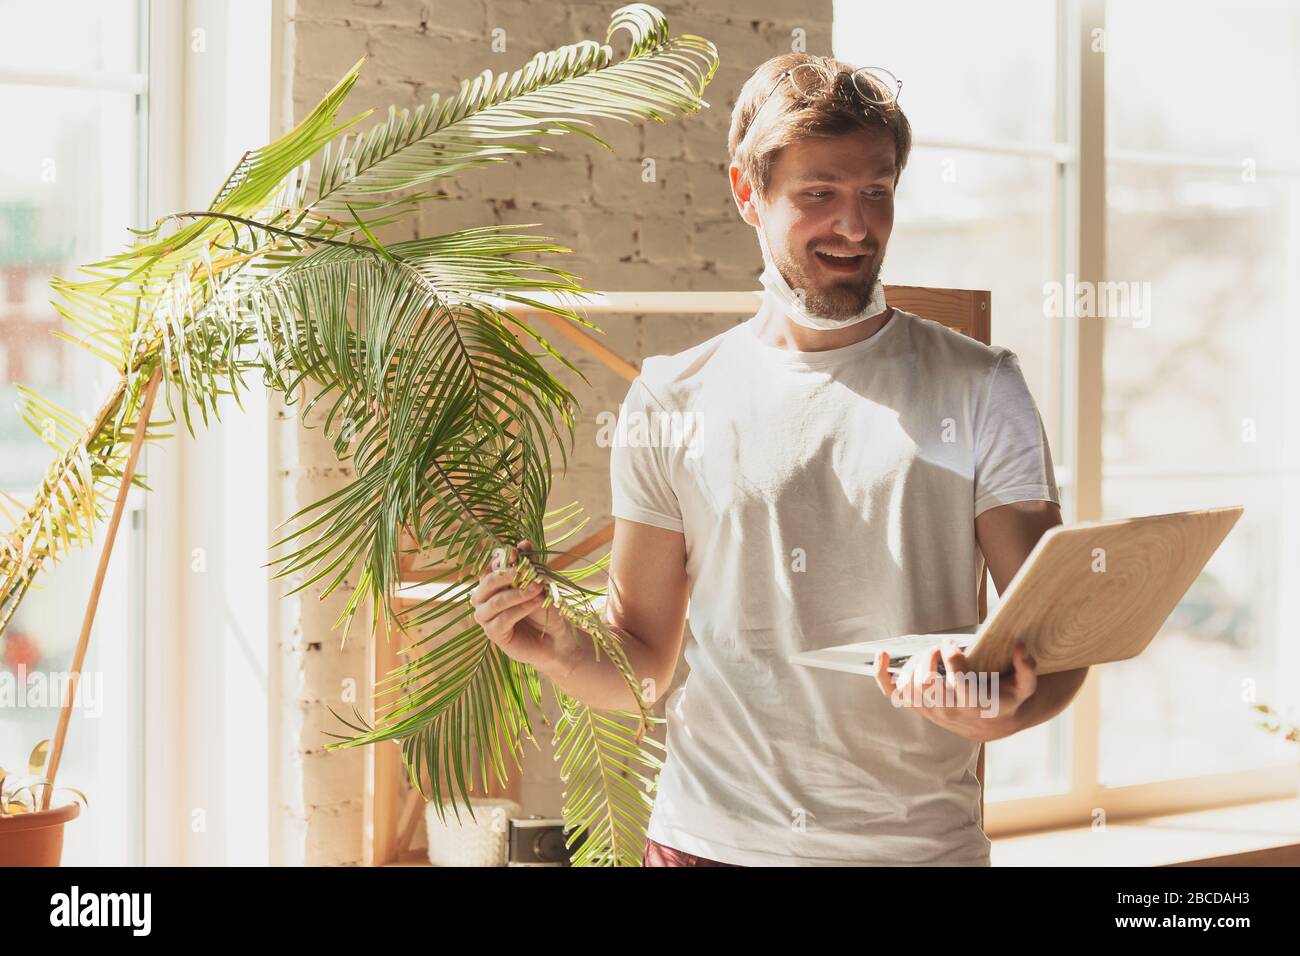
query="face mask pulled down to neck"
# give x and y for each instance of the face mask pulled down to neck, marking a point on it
(778, 294)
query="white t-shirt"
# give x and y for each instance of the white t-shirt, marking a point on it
(825, 497)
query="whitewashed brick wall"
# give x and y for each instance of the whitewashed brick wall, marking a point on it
(679, 232)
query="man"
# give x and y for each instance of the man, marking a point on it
(852, 469)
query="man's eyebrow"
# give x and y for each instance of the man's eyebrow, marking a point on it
(826, 176)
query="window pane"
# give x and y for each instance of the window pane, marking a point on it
(967, 220)
(1199, 412)
(72, 35)
(1032, 763)
(1182, 707)
(1204, 77)
(67, 189)
(103, 735)
(1214, 256)
(67, 192)
(982, 71)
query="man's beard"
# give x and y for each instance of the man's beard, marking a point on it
(838, 298)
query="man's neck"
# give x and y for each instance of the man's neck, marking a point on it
(774, 326)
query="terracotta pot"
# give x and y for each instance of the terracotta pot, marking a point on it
(35, 839)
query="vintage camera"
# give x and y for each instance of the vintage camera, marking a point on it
(538, 841)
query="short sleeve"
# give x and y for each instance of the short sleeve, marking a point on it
(1013, 461)
(639, 476)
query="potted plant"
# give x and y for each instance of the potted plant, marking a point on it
(30, 835)
(428, 385)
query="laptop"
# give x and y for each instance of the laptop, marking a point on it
(1088, 593)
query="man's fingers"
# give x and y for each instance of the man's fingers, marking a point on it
(504, 566)
(489, 584)
(529, 591)
(919, 672)
(954, 661)
(1026, 671)
(496, 591)
(883, 677)
(926, 667)
(503, 558)
(901, 686)
(502, 628)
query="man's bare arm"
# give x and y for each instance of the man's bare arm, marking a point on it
(646, 605)
(1006, 535)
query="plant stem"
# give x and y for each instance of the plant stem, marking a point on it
(79, 658)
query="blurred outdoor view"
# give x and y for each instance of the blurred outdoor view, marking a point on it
(69, 177)
(1203, 203)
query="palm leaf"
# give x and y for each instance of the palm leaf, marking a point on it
(609, 779)
(551, 95)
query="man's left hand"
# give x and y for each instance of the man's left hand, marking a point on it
(975, 706)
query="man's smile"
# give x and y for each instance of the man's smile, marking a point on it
(841, 263)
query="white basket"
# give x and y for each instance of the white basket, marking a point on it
(469, 842)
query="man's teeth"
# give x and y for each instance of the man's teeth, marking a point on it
(838, 255)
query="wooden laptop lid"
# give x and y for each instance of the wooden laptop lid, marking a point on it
(1099, 591)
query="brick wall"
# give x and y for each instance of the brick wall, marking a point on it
(679, 231)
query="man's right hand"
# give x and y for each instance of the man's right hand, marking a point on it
(514, 618)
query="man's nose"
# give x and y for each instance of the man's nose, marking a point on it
(851, 222)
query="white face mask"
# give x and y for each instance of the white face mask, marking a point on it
(778, 293)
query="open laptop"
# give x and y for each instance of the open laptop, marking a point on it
(1087, 593)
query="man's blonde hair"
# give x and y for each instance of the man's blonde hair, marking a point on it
(786, 116)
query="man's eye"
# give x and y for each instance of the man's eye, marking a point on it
(871, 194)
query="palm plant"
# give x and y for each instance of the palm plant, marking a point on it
(427, 385)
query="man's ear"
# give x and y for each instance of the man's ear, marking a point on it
(743, 194)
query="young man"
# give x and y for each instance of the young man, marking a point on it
(851, 469)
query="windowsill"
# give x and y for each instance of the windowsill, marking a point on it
(1265, 833)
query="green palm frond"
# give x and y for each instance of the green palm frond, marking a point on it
(70, 501)
(609, 781)
(662, 75)
(438, 396)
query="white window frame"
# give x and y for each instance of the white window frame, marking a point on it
(210, 753)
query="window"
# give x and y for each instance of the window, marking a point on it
(71, 89)
(1203, 207)
(1202, 212)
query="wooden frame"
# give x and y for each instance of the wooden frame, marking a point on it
(391, 815)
